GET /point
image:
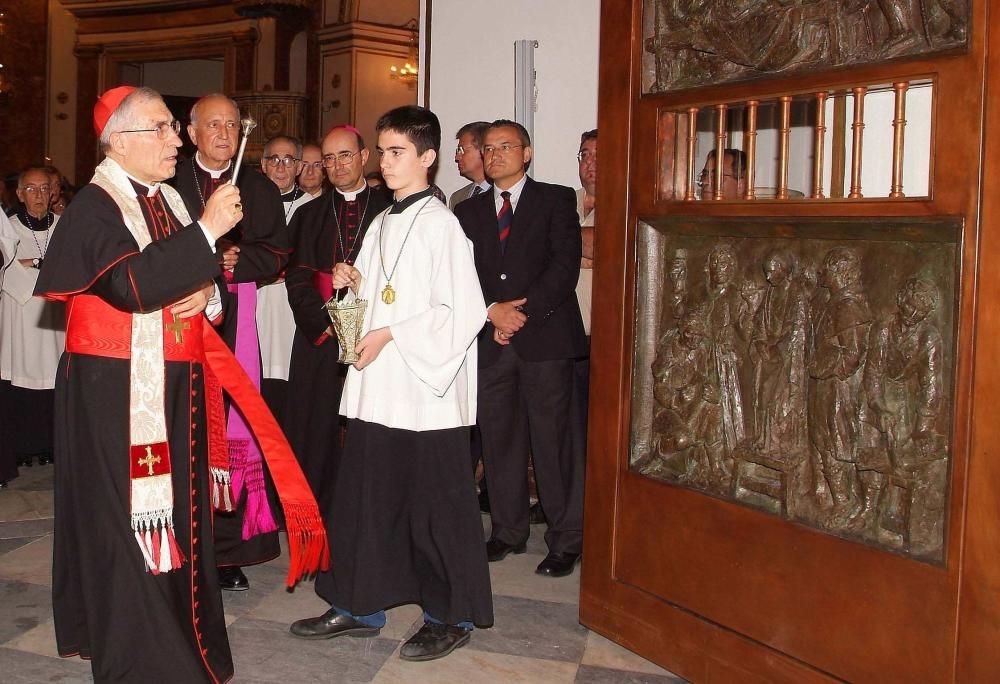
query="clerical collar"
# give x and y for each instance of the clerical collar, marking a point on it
(408, 201)
(292, 194)
(141, 188)
(35, 224)
(352, 195)
(211, 172)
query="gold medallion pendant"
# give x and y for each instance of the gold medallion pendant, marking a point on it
(388, 294)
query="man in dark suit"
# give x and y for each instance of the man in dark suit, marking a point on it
(469, 159)
(526, 238)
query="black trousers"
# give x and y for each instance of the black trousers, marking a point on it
(539, 392)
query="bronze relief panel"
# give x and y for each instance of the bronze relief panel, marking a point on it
(803, 369)
(690, 43)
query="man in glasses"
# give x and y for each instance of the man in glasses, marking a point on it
(327, 231)
(139, 412)
(469, 159)
(734, 175)
(586, 204)
(103, 570)
(31, 330)
(281, 163)
(527, 246)
(311, 170)
(255, 250)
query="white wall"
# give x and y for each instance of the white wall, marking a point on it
(472, 75)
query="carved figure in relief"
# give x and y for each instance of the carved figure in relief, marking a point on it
(839, 347)
(777, 351)
(902, 460)
(728, 318)
(678, 274)
(688, 418)
(696, 42)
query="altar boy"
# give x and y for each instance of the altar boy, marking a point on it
(404, 519)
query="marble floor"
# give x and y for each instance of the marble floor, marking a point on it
(536, 638)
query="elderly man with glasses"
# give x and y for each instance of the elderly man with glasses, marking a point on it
(31, 330)
(255, 250)
(139, 412)
(327, 231)
(282, 164)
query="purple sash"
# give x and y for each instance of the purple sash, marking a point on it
(245, 461)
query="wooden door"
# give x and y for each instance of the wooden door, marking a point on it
(807, 495)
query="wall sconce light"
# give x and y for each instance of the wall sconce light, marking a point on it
(408, 72)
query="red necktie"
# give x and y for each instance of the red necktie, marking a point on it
(505, 219)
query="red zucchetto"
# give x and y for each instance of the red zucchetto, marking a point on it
(107, 104)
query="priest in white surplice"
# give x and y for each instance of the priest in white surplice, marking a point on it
(281, 163)
(31, 330)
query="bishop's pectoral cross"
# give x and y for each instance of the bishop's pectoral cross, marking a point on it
(149, 460)
(177, 328)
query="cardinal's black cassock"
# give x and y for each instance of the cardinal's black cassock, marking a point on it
(141, 455)
(134, 625)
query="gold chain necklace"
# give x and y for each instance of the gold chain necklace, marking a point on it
(388, 293)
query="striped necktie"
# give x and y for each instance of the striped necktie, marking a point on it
(505, 219)
(476, 190)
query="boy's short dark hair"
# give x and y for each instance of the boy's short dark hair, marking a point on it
(419, 124)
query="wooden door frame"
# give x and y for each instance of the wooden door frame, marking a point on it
(670, 634)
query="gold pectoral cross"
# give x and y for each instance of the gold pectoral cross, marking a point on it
(150, 459)
(177, 328)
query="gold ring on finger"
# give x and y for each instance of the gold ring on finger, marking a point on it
(238, 206)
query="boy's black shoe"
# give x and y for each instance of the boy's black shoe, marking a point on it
(433, 641)
(331, 624)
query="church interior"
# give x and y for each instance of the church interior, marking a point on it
(790, 454)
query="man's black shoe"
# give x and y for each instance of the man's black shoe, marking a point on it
(497, 550)
(25, 460)
(536, 516)
(433, 641)
(331, 624)
(557, 564)
(233, 579)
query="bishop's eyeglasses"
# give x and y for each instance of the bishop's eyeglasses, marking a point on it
(342, 158)
(162, 129)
